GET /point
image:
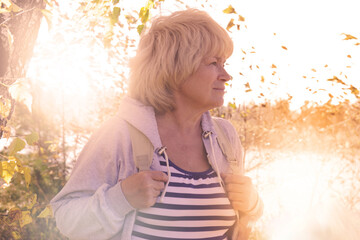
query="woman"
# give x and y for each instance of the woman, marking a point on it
(176, 77)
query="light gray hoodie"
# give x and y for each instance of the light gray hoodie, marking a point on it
(92, 205)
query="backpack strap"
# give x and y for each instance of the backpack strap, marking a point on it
(143, 149)
(226, 146)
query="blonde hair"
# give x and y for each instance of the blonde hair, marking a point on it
(171, 51)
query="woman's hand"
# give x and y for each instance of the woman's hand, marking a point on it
(241, 192)
(142, 189)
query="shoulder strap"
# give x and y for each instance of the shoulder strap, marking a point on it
(226, 146)
(143, 149)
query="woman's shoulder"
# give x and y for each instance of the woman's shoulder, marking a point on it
(225, 126)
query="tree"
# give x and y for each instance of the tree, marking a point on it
(19, 26)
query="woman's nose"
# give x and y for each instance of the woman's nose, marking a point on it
(225, 76)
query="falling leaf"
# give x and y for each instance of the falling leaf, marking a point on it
(230, 24)
(274, 34)
(243, 51)
(348, 66)
(336, 79)
(313, 69)
(349, 56)
(241, 18)
(326, 65)
(241, 74)
(261, 94)
(237, 26)
(248, 90)
(262, 79)
(330, 95)
(284, 47)
(247, 85)
(357, 44)
(354, 90)
(229, 10)
(257, 67)
(250, 67)
(273, 66)
(304, 76)
(273, 73)
(348, 36)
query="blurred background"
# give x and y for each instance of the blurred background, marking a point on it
(294, 99)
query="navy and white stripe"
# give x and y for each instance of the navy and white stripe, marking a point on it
(195, 206)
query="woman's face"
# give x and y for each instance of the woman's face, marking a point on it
(205, 88)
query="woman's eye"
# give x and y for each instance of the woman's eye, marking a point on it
(214, 63)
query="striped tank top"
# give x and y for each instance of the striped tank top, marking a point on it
(195, 206)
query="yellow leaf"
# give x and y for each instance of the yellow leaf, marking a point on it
(8, 170)
(229, 10)
(357, 44)
(230, 24)
(25, 218)
(241, 18)
(16, 145)
(46, 213)
(16, 235)
(48, 17)
(262, 79)
(140, 28)
(349, 56)
(27, 175)
(284, 47)
(314, 70)
(326, 65)
(6, 131)
(273, 66)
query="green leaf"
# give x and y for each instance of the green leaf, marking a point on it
(46, 213)
(140, 28)
(16, 145)
(229, 10)
(32, 138)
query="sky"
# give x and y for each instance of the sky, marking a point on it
(310, 30)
